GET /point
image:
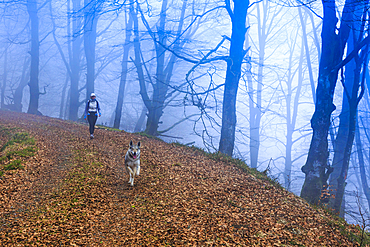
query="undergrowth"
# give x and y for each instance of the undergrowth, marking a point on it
(99, 126)
(149, 136)
(337, 222)
(14, 165)
(17, 148)
(19, 138)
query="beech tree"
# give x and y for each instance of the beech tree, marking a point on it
(35, 51)
(354, 89)
(306, 46)
(267, 16)
(81, 29)
(91, 17)
(121, 91)
(334, 40)
(18, 92)
(363, 159)
(71, 58)
(14, 55)
(238, 15)
(291, 97)
(74, 51)
(164, 61)
(4, 79)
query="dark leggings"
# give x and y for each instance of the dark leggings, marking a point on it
(92, 120)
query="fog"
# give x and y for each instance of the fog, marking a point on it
(165, 67)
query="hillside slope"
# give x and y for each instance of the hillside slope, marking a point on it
(70, 190)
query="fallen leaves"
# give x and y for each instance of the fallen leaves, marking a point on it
(74, 191)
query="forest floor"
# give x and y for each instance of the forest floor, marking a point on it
(58, 187)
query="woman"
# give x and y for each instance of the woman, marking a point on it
(92, 110)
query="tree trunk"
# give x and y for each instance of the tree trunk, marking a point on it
(35, 50)
(336, 202)
(164, 72)
(255, 93)
(137, 60)
(66, 109)
(308, 58)
(62, 100)
(18, 94)
(255, 109)
(90, 24)
(317, 169)
(342, 137)
(346, 133)
(122, 84)
(254, 132)
(233, 73)
(3, 87)
(291, 116)
(140, 121)
(155, 112)
(361, 163)
(75, 62)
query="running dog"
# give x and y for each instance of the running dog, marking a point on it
(132, 161)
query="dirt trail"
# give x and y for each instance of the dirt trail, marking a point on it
(74, 192)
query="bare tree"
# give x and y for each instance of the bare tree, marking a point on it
(35, 50)
(18, 93)
(122, 85)
(164, 63)
(306, 47)
(3, 86)
(92, 9)
(354, 89)
(291, 96)
(361, 162)
(140, 122)
(74, 51)
(266, 19)
(317, 169)
(73, 61)
(238, 16)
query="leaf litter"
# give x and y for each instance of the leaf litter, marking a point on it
(74, 191)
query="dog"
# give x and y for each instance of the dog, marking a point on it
(132, 161)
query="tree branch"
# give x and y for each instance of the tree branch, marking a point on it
(348, 58)
(203, 60)
(229, 10)
(177, 123)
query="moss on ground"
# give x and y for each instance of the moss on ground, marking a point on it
(18, 147)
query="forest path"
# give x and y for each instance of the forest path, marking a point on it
(74, 191)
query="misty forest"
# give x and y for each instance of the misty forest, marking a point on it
(282, 86)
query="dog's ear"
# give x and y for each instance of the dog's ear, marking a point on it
(138, 144)
(131, 143)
